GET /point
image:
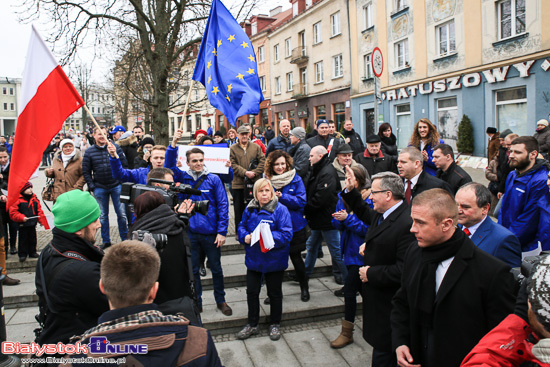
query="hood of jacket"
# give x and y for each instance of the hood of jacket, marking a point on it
(162, 219)
(127, 141)
(270, 207)
(76, 156)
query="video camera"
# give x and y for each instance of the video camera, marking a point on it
(130, 191)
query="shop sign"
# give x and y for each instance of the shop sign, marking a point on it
(457, 82)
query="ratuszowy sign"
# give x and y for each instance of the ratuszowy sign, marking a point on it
(457, 82)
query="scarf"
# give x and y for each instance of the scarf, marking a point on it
(425, 283)
(270, 207)
(280, 181)
(389, 140)
(197, 175)
(162, 219)
(67, 158)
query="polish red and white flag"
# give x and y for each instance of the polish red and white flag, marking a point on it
(47, 99)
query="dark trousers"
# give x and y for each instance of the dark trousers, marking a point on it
(238, 205)
(297, 245)
(352, 285)
(383, 359)
(274, 283)
(27, 241)
(10, 232)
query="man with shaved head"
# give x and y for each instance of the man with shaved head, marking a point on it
(452, 293)
(322, 195)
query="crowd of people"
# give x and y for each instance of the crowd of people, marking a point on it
(429, 250)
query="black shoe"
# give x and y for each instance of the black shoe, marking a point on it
(304, 255)
(202, 271)
(304, 294)
(320, 254)
(208, 264)
(13, 250)
(22, 258)
(339, 280)
(34, 256)
(267, 301)
(339, 292)
(105, 246)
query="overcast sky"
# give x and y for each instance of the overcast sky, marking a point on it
(15, 35)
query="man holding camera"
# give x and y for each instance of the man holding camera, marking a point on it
(207, 228)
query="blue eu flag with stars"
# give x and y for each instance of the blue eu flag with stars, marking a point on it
(226, 66)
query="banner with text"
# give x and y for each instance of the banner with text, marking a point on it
(215, 157)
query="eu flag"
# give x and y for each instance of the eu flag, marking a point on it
(226, 66)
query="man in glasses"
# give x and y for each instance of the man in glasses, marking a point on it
(384, 249)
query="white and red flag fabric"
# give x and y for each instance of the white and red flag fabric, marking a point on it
(47, 99)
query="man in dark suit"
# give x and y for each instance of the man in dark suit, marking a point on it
(384, 249)
(474, 202)
(447, 169)
(410, 166)
(451, 294)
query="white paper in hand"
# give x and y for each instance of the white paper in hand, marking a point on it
(267, 236)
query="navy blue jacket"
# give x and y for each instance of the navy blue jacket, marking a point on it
(520, 211)
(294, 198)
(352, 234)
(498, 241)
(278, 218)
(136, 175)
(279, 143)
(97, 169)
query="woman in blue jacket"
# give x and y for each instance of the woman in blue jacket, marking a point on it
(425, 138)
(265, 264)
(291, 192)
(352, 236)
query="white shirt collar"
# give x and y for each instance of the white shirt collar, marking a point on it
(474, 228)
(392, 209)
(414, 180)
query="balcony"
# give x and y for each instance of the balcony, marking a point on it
(299, 91)
(299, 55)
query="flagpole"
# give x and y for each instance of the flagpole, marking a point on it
(187, 104)
(97, 126)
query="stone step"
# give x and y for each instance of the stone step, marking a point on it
(233, 266)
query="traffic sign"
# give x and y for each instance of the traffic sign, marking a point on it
(377, 62)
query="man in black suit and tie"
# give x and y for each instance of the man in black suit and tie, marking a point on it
(409, 164)
(452, 293)
(384, 249)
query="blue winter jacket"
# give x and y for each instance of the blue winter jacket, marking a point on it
(544, 224)
(217, 218)
(171, 159)
(279, 143)
(96, 168)
(429, 165)
(137, 175)
(278, 218)
(294, 198)
(352, 234)
(520, 212)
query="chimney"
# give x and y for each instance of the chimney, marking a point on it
(273, 12)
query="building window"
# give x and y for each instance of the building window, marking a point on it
(337, 67)
(290, 116)
(295, 9)
(367, 67)
(261, 54)
(262, 83)
(308, 3)
(188, 122)
(400, 4)
(220, 121)
(511, 18)
(317, 36)
(404, 124)
(446, 41)
(447, 118)
(319, 75)
(289, 85)
(198, 122)
(339, 114)
(320, 112)
(252, 121)
(11, 91)
(279, 116)
(511, 110)
(4, 90)
(12, 106)
(402, 54)
(335, 24)
(276, 54)
(367, 16)
(93, 109)
(264, 116)
(288, 47)
(5, 106)
(254, 28)
(277, 85)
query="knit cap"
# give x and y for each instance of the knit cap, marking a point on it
(75, 210)
(25, 186)
(539, 292)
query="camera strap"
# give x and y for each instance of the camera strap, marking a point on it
(197, 184)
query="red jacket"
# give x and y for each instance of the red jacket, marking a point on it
(28, 208)
(259, 142)
(510, 343)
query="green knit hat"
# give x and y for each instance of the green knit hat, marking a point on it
(75, 210)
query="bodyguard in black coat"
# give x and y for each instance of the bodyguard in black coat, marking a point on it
(447, 169)
(387, 240)
(352, 138)
(451, 294)
(323, 138)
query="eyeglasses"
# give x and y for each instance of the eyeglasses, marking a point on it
(376, 192)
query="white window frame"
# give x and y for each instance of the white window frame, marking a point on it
(367, 16)
(508, 101)
(450, 37)
(289, 82)
(405, 57)
(319, 72)
(262, 83)
(367, 66)
(5, 106)
(254, 28)
(317, 33)
(335, 27)
(295, 9)
(261, 54)
(4, 90)
(337, 66)
(288, 47)
(399, 5)
(11, 91)
(513, 19)
(276, 53)
(308, 3)
(277, 85)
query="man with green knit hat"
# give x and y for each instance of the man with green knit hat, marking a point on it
(67, 272)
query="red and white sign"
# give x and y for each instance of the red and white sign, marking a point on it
(377, 62)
